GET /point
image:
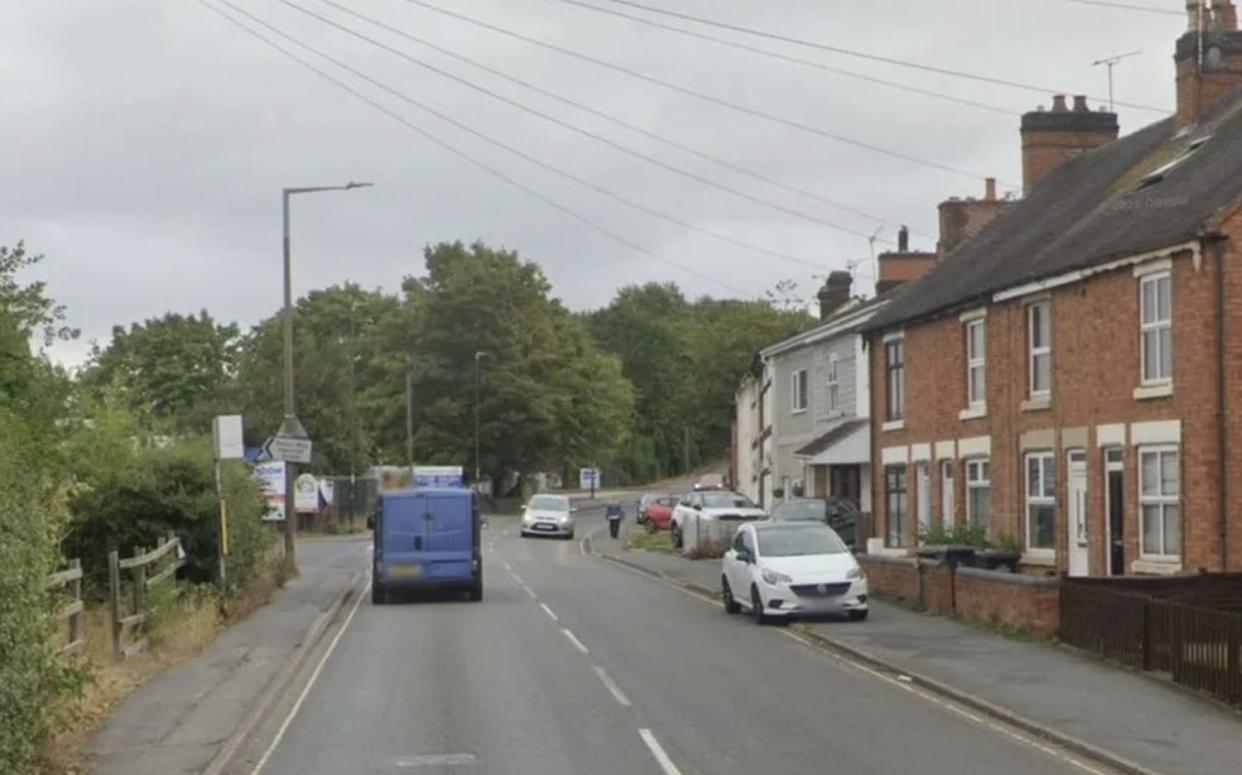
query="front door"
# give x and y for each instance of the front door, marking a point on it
(1079, 554)
(847, 483)
(1115, 489)
(922, 482)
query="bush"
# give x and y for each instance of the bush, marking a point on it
(957, 535)
(34, 682)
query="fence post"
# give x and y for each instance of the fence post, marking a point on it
(1233, 679)
(1146, 655)
(114, 598)
(140, 584)
(75, 621)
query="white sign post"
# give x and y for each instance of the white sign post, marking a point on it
(229, 444)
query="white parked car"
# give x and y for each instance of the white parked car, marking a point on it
(782, 569)
(548, 515)
(708, 515)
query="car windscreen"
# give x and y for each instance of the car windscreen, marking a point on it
(549, 503)
(800, 511)
(726, 500)
(799, 541)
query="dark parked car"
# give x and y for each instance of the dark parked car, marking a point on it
(839, 514)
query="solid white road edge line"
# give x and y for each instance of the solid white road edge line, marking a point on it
(574, 640)
(657, 751)
(549, 612)
(297, 706)
(617, 694)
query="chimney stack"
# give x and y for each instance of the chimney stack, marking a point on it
(989, 190)
(1209, 60)
(903, 240)
(835, 293)
(1049, 138)
(961, 219)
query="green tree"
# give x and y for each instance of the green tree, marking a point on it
(178, 368)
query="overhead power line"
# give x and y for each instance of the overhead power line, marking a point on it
(1127, 7)
(793, 124)
(565, 124)
(612, 117)
(459, 153)
(522, 154)
(840, 50)
(798, 60)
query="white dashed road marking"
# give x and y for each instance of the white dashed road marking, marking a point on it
(657, 751)
(617, 694)
(549, 612)
(436, 760)
(574, 640)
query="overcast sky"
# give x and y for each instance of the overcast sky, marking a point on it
(144, 143)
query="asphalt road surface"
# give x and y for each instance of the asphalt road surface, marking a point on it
(572, 666)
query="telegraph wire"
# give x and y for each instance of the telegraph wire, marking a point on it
(1127, 6)
(567, 125)
(610, 117)
(463, 155)
(833, 49)
(793, 124)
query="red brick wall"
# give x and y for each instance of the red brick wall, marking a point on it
(937, 587)
(1013, 601)
(1044, 151)
(1096, 365)
(891, 577)
(1231, 253)
(1198, 93)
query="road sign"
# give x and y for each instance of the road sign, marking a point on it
(288, 449)
(588, 478)
(439, 476)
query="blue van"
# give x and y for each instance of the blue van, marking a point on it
(427, 538)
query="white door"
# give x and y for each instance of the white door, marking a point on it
(1078, 549)
(923, 483)
(946, 492)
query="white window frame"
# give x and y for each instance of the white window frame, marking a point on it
(1161, 500)
(897, 531)
(798, 398)
(1047, 460)
(896, 398)
(977, 361)
(948, 486)
(1155, 327)
(1033, 351)
(975, 481)
(834, 384)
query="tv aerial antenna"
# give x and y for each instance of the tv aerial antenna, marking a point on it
(1111, 63)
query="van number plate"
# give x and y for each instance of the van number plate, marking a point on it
(405, 571)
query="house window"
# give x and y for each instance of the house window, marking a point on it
(946, 492)
(898, 505)
(1041, 503)
(1039, 318)
(799, 391)
(1156, 324)
(834, 388)
(895, 354)
(976, 364)
(978, 492)
(1159, 502)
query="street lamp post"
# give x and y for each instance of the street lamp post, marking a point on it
(291, 426)
(478, 393)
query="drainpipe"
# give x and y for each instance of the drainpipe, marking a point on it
(1222, 399)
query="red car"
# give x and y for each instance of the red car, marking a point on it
(656, 511)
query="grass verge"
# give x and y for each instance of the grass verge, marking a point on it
(639, 540)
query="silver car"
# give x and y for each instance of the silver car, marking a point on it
(549, 515)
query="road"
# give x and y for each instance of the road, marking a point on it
(572, 666)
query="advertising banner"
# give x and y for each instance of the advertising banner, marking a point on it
(306, 494)
(271, 478)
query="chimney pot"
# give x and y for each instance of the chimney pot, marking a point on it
(989, 187)
(1058, 104)
(1080, 103)
(1224, 16)
(903, 240)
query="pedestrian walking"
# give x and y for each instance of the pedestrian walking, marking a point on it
(614, 514)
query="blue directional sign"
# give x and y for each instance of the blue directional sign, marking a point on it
(439, 476)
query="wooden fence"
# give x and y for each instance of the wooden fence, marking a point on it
(73, 610)
(1189, 628)
(131, 611)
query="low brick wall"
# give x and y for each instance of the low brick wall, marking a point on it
(891, 577)
(1013, 600)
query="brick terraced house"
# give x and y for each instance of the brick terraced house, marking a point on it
(1070, 377)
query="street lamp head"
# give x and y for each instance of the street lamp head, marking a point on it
(481, 354)
(352, 185)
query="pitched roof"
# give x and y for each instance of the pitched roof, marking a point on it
(848, 319)
(1093, 209)
(835, 434)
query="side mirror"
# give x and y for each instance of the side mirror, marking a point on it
(744, 556)
(698, 507)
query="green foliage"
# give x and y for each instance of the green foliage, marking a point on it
(956, 535)
(176, 367)
(1008, 543)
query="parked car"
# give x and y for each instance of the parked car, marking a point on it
(646, 500)
(700, 512)
(783, 569)
(548, 515)
(710, 482)
(658, 513)
(837, 513)
(427, 538)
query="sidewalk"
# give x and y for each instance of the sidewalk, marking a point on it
(1132, 719)
(177, 721)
